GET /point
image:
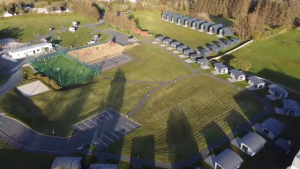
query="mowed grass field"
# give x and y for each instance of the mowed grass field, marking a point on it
(27, 26)
(192, 38)
(60, 109)
(150, 63)
(183, 118)
(276, 59)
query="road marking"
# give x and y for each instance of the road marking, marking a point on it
(102, 142)
(119, 131)
(103, 116)
(108, 138)
(92, 121)
(99, 119)
(130, 125)
(114, 135)
(125, 128)
(79, 127)
(86, 124)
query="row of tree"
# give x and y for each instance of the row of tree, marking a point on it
(86, 8)
(122, 21)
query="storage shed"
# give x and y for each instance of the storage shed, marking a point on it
(203, 62)
(67, 162)
(180, 48)
(291, 107)
(215, 28)
(206, 26)
(225, 31)
(197, 24)
(222, 69)
(237, 75)
(188, 51)
(272, 128)
(204, 52)
(195, 56)
(227, 160)
(251, 143)
(184, 21)
(191, 21)
(256, 82)
(278, 91)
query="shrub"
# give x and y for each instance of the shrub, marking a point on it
(268, 33)
(47, 80)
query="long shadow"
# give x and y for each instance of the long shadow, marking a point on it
(180, 138)
(237, 122)
(10, 32)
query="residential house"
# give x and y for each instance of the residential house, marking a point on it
(187, 52)
(203, 62)
(278, 91)
(214, 29)
(235, 41)
(237, 75)
(204, 52)
(174, 44)
(180, 48)
(213, 48)
(228, 43)
(206, 26)
(167, 41)
(184, 21)
(291, 107)
(225, 31)
(227, 160)
(221, 45)
(195, 56)
(222, 69)
(272, 128)
(256, 82)
(251, 143)
(177, 19)
(191, 21)
(198, 24)
(159, 38)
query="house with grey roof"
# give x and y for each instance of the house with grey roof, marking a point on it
(174, 44)
(213, 48)
(184, 21)
(165, 16)
(67, 162)
(256, 82)
(283, 146)
(195, 56)
(227, 160)
(296, 162)
(221, 45)
(180, 48)
(159, 38)
(177, 19)
(103, 166)
(251, 143)
(291, 107)
(198, 24)
(228, 43)
(272, 128)
(204, 52)
(225, 31)
(220, 68)
(278, 91)
(214, 29)
(207, 25)
(235, 41)
(167, 41)
(191, 22)
(203, 62)
(172, 18)
(188, 51)
(237, 75)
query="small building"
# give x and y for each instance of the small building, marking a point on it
(235, 41)
(251, 143)
(215, 28)
(222, 69)
(197, 24)
(56, 9)
(228, 43)
(272, 128)
(165, 15)
(72, 29)
(204, 52)
(221, 45)
(188, 51)
(191, 22)
(174, 44)
(30, 50)
(67, 162)
(184, 21)
(291, 107)
(177, 19)
(159, 38)
(203, 62)
(167, 41)
(75, 23)
(296, 162)
(144, 33)
(256, 82)
(195, 56)
(206, 26)
(278, 91)
(227, 160)
(225, 31)
(7, 14)
(283, 146)
(172, 18)
(237, 75)
(168, 16)
(213, 48)
(103, 166)
(180, 48)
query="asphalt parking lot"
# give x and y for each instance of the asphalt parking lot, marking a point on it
(106, 127)
(114, 61)
(121, 39)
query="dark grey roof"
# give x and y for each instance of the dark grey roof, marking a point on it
(190, 21)
(204, 51)
(283, 144)
(167, 40)
(253, 141)
(221, 45)
(220, 66)
(212, 47)
(182, 46)
(277, 89)
(198, 23)
(228, 159)
(228, 41)
(104, 166)
(290, 104)
(159, 37)
(227, 31)
(177, 16)
(67, 162)
(255, 80)
(235, 40)
(56, 8)
(207, 24)
(203, 60)
(236, 72)
(196, 55)
(175, 43)
(183, 19)
(189, 51)
(273, 125)
(217, 27)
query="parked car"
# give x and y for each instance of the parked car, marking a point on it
(130, 37)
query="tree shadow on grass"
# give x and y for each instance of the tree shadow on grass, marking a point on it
(11, 33)
(237, 123)
(180, 138)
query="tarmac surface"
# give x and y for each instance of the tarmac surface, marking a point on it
(119, 38)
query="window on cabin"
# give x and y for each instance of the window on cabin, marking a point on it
(244, 148)
(266, 132)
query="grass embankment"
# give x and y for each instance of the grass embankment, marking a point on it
(181, 119)
(150, 63)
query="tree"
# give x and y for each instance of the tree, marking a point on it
(139, 5)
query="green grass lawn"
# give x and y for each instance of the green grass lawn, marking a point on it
(12, 158)
(150, 63)
(276, 59)
(61, 109)
(27, 26)
(181, 119)
(3, 79)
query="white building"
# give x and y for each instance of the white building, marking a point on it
(30, 50)
(72, 29)
(7, 14)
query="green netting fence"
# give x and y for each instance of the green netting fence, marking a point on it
(65, 69)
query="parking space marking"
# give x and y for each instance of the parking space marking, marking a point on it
(125, 128)
(108, 138)
(130, 125)
(102, 141)
(86, 124)
(79, 127)
(99, 119)
(93, 121)
(119, 131)
(114, 135)
(103, 116)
